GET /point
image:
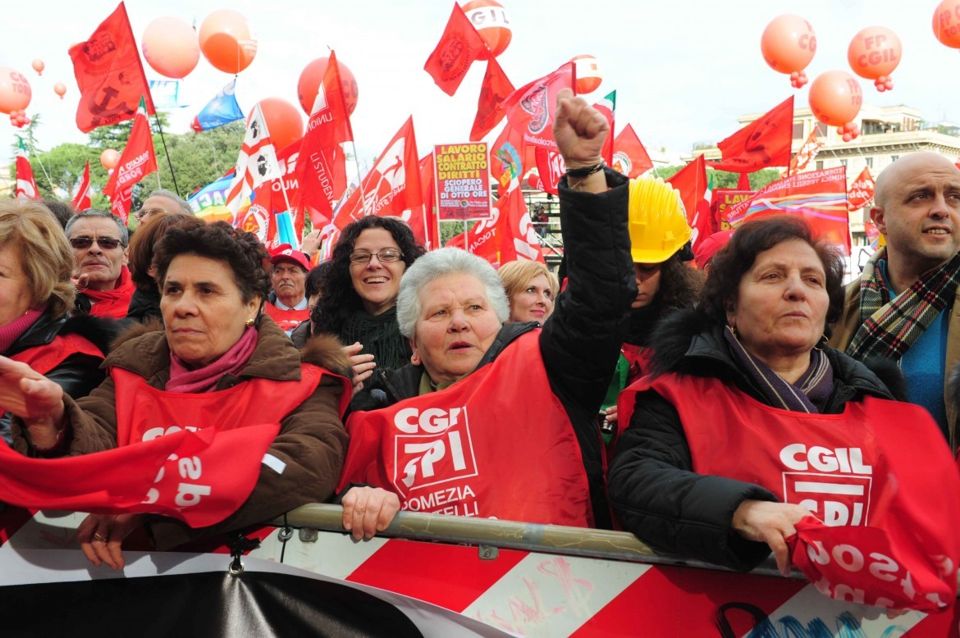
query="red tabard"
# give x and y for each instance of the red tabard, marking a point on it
(286, 319)
(194, 457)
(879, 476)
(45, 358)
(497, 443)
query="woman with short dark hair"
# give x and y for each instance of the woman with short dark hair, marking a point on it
(696, 473)
(218, 364)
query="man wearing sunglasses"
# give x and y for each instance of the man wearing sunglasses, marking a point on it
(99, 242)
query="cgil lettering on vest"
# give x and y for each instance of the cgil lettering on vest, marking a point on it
(797, 457)
(432, 420)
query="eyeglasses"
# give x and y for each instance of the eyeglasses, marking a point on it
(384, 256)
(83, 242)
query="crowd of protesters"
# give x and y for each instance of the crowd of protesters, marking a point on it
(399, 379)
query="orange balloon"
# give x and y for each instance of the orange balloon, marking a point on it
(873, 52)
(109, 158)
(588, 74)
(171, 47)
(283, 121)
(946, 23)
(225, 41)
(15, 91)
(38, 66)
(310, 79)
(489, 18)
(788, 43)
(835, 97)
(60, 89)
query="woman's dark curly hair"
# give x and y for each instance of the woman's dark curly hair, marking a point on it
(679, 283)
(143, 245)
(241, 251)
(730, 264)
(339, 299)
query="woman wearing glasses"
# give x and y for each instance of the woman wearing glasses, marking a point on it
(35, 296)
(360, 293)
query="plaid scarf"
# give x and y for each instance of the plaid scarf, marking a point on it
(808, 394)
(888, 327)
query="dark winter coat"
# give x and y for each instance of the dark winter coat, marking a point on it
(652, 485)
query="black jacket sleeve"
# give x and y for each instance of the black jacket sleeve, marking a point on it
(659, 497)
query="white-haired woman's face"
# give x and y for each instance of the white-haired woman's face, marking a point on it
(456, 326)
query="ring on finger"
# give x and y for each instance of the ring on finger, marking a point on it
(99, 538)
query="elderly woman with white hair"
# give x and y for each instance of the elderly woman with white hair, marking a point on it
(498, 419)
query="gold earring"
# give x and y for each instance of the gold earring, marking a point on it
(249, 322)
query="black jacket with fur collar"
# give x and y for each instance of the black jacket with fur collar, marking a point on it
(651, 483)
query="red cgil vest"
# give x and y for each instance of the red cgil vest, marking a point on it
(878, 475)
(286, 319)
(48, 356)
(194, 457)
(497, 443)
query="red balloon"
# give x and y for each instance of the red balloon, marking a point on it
(109, 158)
(588, 74)
(60, 89)
(15, 91)
(946, 23)
(874, 52)
(489, 18)
(38, 66)
(835, 98)
(225, 41)
(283, 121)
(310, 79)
(171, 47)
(788, 43)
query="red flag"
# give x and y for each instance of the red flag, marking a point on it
(608, 108)
(109, 74)
(806, 153)
(323, 171)
(137, 161)
(861, 191)
(271, 196)
(430, 220)
(531, 107)
(764, 142)
(516, 238)
(81, 201)
(629, 156)
(391, 188)
(496, 88)
(26, 185)
(691, 181)
(459, 47)
(743, 182)
(550, 169)
(506, 158)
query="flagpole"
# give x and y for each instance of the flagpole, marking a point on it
(163, 141)
(356, 163)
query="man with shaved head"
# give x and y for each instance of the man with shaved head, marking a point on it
(903, 305)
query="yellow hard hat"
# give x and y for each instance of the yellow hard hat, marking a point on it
(657, 220)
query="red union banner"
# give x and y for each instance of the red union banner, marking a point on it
(861, 191)
(819, 197)
(463, 181)
(722, 201)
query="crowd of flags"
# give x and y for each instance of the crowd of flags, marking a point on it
(310, 178)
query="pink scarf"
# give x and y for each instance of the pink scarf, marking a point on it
(182, 379)
(12, 331)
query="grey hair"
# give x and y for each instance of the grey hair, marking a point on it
(93, 213)
(162, 192)
(436, 264)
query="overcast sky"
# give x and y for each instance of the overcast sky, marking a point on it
(683, 70)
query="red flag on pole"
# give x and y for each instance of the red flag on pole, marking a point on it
(109, 74)
(691, 181)
(743, 182)
(81, 201)
(608, 108)
(136, 162)
(516, 238)
(323, 169)
(26, 185)
(629, 156)
(496, 88)
(764, 142)
(806, 153)
(459, 47)
(531, 107)
(860, 193)
(430, 220)
(391, 188)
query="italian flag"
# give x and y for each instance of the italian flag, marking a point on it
(608, 106)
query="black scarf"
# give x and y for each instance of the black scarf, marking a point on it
(380, 336)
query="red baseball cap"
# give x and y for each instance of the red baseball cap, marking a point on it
(710, 246)
(285, 252)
